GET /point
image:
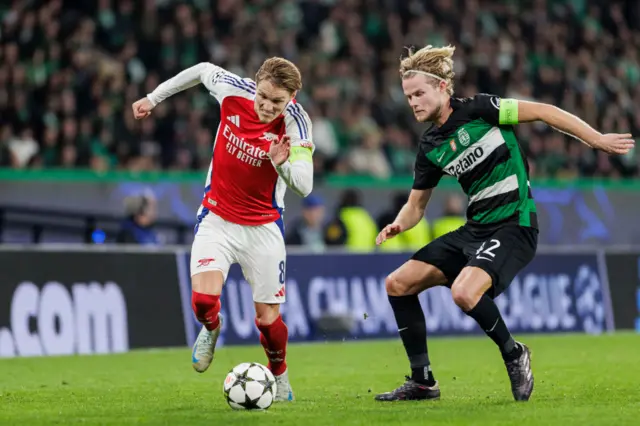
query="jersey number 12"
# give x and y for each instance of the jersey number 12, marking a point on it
(487, 253)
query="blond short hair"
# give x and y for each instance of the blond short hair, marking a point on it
(436, 61)
(282, 73)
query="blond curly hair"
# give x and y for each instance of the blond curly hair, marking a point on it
(435, 62)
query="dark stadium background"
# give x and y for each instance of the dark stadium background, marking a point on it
(75, 167)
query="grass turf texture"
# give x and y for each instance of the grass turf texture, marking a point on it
(580, 380)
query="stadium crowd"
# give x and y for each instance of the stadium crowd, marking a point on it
(69, 72)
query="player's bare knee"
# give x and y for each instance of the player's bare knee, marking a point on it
(395, 287)
(469, 287)
(464, 297)
(266, 314)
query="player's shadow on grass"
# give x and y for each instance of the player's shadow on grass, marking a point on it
(192, 410)
(499, 401)
(469, 403)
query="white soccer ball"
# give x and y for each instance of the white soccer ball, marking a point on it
(250, 386)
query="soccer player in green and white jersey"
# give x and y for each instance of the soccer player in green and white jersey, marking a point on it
(473, 140)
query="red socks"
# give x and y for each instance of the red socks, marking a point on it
(274, 339)
(206, 308)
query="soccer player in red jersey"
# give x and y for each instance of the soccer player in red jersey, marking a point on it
(263, 144)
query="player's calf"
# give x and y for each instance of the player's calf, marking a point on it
(403, 286)
(274, 337)
(206, 308)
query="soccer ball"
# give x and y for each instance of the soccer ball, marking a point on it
(250, 386)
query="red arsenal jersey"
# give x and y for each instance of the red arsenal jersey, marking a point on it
(242, 185)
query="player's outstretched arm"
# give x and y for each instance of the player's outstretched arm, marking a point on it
(294, 164)
(184, 80)
(613, 143)
(409, 216)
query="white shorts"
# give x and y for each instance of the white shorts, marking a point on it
(259, 250)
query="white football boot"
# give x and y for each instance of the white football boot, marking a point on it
(204, 347)
(283, 391)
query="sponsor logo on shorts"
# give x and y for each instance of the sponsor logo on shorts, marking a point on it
(281, 292)
(205, 262)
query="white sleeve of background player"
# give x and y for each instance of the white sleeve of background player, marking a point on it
(217, 80)
(297, 172)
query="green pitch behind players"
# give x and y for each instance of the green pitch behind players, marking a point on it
(473, 140)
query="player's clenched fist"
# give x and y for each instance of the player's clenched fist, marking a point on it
(142, 108)
(388, 232)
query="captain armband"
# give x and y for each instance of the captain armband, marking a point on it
(508, 111)
(300, 153)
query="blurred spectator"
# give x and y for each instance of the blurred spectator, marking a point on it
(367, 158)
(22, 149)
(70, 71)
(137, 228)
(411, 240)
(352, 226)
(453, 216)
(308, 231)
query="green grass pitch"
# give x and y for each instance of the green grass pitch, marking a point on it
(580, 380)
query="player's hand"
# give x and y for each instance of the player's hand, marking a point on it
(388, 232)
(142, 108)
(279, 150)
(615, 143)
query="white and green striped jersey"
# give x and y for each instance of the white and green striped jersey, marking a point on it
(482, 153)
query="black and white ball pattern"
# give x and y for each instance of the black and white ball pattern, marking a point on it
(250, 386)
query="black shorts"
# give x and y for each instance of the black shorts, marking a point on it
(501, 252)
